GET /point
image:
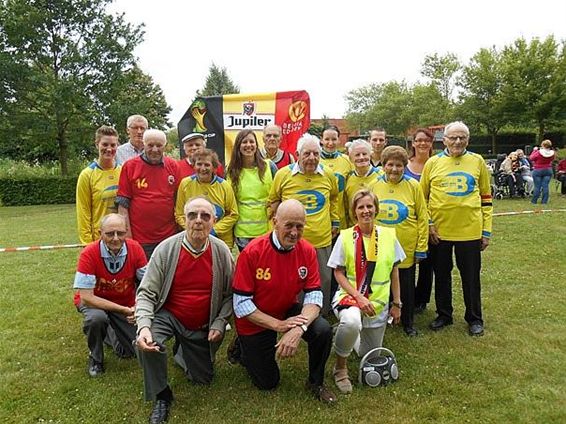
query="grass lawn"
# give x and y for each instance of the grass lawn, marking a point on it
(515, 373)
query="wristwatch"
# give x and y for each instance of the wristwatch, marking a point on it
(304, 328)
(398, 305)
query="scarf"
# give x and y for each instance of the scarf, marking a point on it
(365, 265)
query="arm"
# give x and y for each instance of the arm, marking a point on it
(180, 204)
(289, 342)
(226, 224)
(422, 224)
(218, 326)
(334, 215)
(425, 182)
(275, 194)
(123, 198)
(91, 300)
(126, 214)
(396, 291)
(84, 208)
(486, 205)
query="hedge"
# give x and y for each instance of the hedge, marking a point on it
(37, 190)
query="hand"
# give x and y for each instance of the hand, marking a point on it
(291, 322)
(433, 236)
(145, 341)
(288, 344)
(215, 336)
(130, 314)
(335, 232)
(484, 243)
(395, 312)
(365, 305)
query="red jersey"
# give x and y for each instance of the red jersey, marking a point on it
(273, 278)
(186, 169)
(284, 161)
(189, 296)
(151, 190)
(117, 287)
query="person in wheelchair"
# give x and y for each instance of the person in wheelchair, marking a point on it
(511, 169)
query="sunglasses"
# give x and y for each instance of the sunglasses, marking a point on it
(204, 216)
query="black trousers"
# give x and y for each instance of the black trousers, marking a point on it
(407, 285)
(468, 261)
(424, 282)
(258, 353)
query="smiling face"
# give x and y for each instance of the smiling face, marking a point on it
(193, 146)
(365, 210)
(153, 148)
(330, 140)
(456, 140)
(204, 169)
(360, 157)
(394, 169)
(113, 233)
(422, 144)
(309, 157)
(248, 147)
(135, 132)
(289, 223)
(107, 146)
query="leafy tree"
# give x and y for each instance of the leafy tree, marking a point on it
(58, 60)
(442, 72)
(482, 98)
(218, 83)
(534, 76)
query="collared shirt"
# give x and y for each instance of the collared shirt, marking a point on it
(297, 169)
(127, 151)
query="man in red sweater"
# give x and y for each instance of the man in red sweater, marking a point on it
(106, 290)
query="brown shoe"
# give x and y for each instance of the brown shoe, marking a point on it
(342, 380)
(322, 393)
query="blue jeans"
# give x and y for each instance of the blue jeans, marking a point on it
(541, 178)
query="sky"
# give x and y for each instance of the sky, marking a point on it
(327, 48)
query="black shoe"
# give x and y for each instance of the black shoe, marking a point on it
(160, 412)
(439, 323)
(94, 368)
(420, 308)
(234, 352)
(475, 330)
(322, 393)
(410, 331)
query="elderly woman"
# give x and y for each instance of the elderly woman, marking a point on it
(364, 260)
(215, 189)
(511, 168)
(402, 206)
(364, 174)
(251, 178)
(542, 170)
(97, 186)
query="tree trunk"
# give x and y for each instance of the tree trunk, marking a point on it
(540, 131)
(493, 143)
(63, 151)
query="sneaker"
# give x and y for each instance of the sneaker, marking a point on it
(94, 368)
(322, 393)
(342, 380)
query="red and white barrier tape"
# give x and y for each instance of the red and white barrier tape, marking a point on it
(528, 212)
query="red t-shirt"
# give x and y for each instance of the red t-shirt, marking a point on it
(189, 296)
(151, 190)
(285, 160)
(273, 278)
(120, 287)
(186, 169)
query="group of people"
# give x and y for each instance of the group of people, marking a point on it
(320, 233)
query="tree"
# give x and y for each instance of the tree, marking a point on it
(135, 92)
(442, 72)
(534, 76)
(58, 60)
(482, 99)
(218, 83)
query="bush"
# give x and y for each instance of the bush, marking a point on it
(22, 169)
(37, 190)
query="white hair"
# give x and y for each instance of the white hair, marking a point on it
(153, 133)
(305, 138)
(360, 143)
(134, 118)
(459, 125)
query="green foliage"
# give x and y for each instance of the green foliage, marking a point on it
(37, 190)
(514, 374)
(442, 72)
(58, 62)
(21, 169)
(218, 83)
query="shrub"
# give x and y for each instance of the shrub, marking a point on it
(37, 190)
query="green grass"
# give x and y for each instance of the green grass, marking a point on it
(515, 373)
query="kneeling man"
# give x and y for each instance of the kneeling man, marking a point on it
(270, 273)
(106, 290)
(186, 294)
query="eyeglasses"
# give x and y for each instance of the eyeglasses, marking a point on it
(112, 234)
(457, 137)
(204, 216)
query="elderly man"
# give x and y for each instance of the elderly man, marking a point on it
(378, 140)
(106, 285)
(146, 193)
(186, 294)
(192, 144)
(456, 186)
(271, 150)
(136, 126)
(317, 189)
(270, 273)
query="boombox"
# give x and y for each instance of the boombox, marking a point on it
(378, 367)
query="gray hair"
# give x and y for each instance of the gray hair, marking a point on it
(360, 143)
(112, 216)
(134, 118)
(457, 124)
(153, 133)
(192, 199)
(305, 138)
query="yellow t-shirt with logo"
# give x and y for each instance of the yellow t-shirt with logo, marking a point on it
(356, 182)
(341, 166)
